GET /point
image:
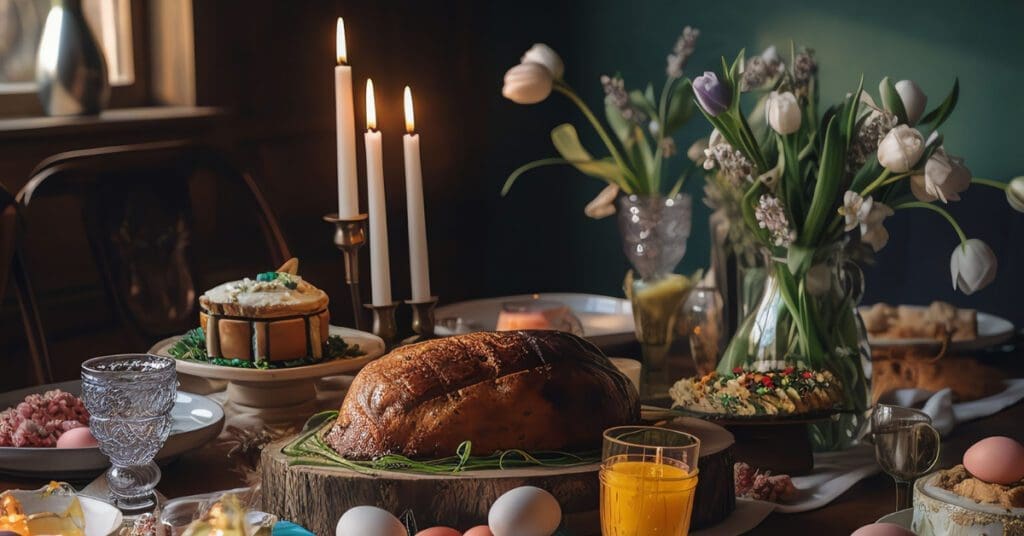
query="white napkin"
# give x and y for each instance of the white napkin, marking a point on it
(836, 472)
(945, 414)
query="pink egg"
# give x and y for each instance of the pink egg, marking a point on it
(997, 459)
(479, 530)
(882, 529)
(439, 531)
(76, 438)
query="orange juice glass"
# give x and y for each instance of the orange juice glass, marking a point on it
(648, 481)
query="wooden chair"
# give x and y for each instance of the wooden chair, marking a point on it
(12, 270)
(122, 240)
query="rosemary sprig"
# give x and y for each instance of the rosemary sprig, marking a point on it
(310, 449)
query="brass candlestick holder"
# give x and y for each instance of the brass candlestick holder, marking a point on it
(422, 320)
(349, 236)
(384, 325)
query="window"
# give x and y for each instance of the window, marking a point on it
(114, 25)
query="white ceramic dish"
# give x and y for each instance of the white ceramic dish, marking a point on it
(605, 319)
(101, 519)
(197, 420)
(902, 518)
(280, 396)
(992, 330)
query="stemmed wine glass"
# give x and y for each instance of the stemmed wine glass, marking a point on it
(129, 398)
(906, 446)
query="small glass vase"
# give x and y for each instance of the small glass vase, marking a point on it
(814, 325)
(654, 231)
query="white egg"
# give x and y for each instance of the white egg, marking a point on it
(369, 521)
(525, 511)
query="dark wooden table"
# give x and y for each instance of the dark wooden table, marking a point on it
(208, 469)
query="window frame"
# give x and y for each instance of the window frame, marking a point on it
(26, 103)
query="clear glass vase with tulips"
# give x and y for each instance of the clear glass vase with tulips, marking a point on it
(816, 187)
(654, 217)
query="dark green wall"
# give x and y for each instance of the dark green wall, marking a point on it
(539, 238)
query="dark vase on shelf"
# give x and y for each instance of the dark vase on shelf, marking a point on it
(71, 72)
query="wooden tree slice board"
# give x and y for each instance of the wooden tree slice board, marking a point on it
(316, 497)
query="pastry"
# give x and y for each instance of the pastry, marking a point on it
(276, 317)
(966, 377)
(955, 503)
(789, 391)
(529, 390)
(937, 321)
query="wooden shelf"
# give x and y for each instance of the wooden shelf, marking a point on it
(123, 119)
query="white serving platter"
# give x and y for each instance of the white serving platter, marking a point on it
(992, 330)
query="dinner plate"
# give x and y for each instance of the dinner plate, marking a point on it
(904, 518)
(196, 420)
(370, 344)
(992, 330)
(605, 319)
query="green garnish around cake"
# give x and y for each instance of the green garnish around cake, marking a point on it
(192, 347)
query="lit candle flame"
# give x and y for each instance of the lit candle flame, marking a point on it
(410, 120)
(341, 51)
(371, 107)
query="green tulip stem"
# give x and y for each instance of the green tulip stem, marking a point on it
(876, 183)
(896, 178)
(564, 89)
(989, 182)
(942, 212)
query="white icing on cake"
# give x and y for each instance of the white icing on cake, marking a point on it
(255, 298)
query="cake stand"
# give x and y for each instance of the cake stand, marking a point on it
(279, 396)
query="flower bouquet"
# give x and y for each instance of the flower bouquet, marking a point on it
(815, 190)
(654, 217)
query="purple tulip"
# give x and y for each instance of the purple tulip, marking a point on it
(712, 94)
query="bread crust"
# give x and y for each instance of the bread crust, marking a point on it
(531, 390)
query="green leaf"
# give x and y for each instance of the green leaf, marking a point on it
(798, 259)
(649, 94)
(640, 101)
(680, 107)
(826, 190)
(891, 100)
(620, 126)
(849, 114)
(567, 143)
(940, 114)
(527, 167)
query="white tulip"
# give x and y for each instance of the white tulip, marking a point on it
(973, 266)
(1015, 194)
(783, 112)
(603, 205)
(544, 55)
(914, 100)
(771, 55)
(944, 178)
(900, 149)
(527, 83)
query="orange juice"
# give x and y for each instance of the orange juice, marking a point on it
(645, 498)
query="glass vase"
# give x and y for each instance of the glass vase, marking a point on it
(810, 322)
(654, 231)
